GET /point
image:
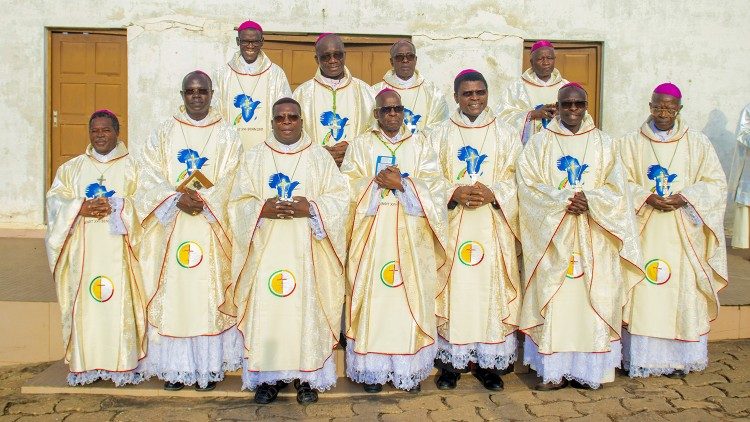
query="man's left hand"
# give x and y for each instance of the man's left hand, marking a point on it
(338, 152)
(676, 201)
(300, 207)
(578, 204)
(482, 191)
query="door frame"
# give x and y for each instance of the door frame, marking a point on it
(598, 45)
(48, 90)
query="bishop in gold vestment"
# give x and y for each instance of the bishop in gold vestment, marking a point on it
(580, 247)
(90, 242)
(187, 247)
(397, 245)
(679, 192)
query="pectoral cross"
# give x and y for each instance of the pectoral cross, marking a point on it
(101, 180)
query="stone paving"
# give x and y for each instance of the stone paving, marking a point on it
(722, 392)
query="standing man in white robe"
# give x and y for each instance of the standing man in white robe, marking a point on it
(424, 104)
(188, 166)
(679, 192)
(90, 246)
(288, 214)
(336, 106)
(248, 85)
(740, 183)
(580, 248)
(481, 302)
(529, 103)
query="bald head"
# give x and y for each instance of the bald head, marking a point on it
(197, 75)
(330, 40)
(403, 45)
(385, 96)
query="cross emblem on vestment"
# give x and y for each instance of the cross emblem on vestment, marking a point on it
(101, 179)
(335, 124)
(191, 161)
(283, 184)
(664, 184)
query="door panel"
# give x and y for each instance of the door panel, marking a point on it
(578, 62)
(89, 72)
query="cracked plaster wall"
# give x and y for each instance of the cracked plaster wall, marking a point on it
(694, 44)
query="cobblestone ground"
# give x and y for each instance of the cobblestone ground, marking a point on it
(722, 392)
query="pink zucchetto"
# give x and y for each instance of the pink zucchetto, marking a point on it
(384, 90)
(105, 111)
(541, 44)
(249, 25)
(465, 71)
(321, 36)
(670, 89)
(573, 84)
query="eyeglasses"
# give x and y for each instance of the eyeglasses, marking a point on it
(477, 93)
(281, 118)
(404, 57)
(570, 104)
(195, 91)
(254, 43)
(391, 109)
(671, 112)
(326, 57)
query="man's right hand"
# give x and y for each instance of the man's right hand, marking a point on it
(277, 210)
(467, 196)
(338, 152)
(547, 111)
(95, 207)
(659, 203)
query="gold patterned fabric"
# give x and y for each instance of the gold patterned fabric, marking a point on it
(684, 251)
(594, 256)
(289, 284)
(481, 301)
(335, 115)
(425, 104)
(186, 263)
(245, 100)
(96, 273)
(399, 277)
(523, 95)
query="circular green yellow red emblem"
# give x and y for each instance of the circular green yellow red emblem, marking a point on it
(101, 288)
(189, 254)
(658, 271)
(470, 253)
(390, 274)
(282, 283)
(575, 268)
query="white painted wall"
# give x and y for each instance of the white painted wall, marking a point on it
(700, 45)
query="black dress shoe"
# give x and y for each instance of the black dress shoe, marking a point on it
(580, 386)
(173, 386)
(372, 388)
(551, 386)
(209, 387)
(447, 380)
(305, 394)
(489, 379)
(267, 393)
(414, 390)
(677, 375)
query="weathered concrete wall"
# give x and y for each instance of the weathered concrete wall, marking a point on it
(697, 45)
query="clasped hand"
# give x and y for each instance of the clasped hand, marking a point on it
(578, 204)
(96, 208)
(473, 196)
(190, 202)
(670, 203)
(275, 208)
(389, 178)
(338, 152)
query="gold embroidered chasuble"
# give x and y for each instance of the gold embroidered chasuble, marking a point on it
(424, 104)
(394, 257)
(335, 115)
(577, 267)
(96, 272)
(481, 301)
(245, 100)
(290, 284)
(684, 251)
(524, 95)
(186, 264)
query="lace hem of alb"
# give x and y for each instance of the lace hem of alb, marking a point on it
(586, 368)
(644, 356)
(486, 355)
(190, 360)
(119, 378)
(404, 371)
(323, 379)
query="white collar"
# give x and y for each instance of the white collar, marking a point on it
(106, 157)
(477, 122)
(197, 122)
(405, 83)
(250, 67)
(663, 135)
(395, 138)
(333, 83)
(287, 148)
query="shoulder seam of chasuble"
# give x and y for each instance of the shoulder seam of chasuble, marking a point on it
(287, 153)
